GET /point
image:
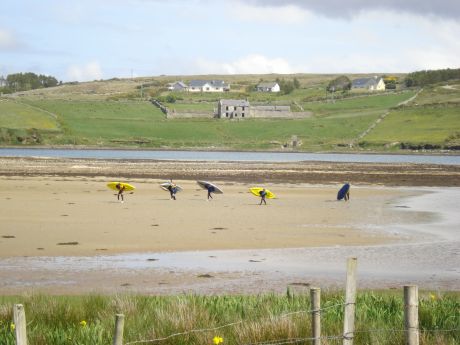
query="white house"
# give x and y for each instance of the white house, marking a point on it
(208, 86)
(371, 84)
(268, 87)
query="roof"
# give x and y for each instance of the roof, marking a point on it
(201, 83)
(362, 82)
(180, 83)
(267, 84)
(234, 102)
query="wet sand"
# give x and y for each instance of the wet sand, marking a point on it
(63, 231)
(53, 216)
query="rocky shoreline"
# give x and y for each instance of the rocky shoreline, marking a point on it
(389, 174)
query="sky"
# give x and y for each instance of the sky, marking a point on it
(101, 39)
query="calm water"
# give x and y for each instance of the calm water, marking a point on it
(229, 156)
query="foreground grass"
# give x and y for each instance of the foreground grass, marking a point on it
(254, 319)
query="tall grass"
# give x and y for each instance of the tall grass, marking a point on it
(247, 319)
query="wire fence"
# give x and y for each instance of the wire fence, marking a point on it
(293, 340)
(411, 330)
(206, 330)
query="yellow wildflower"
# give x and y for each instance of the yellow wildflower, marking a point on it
(12, 326)
(217, 340)
(83, 323)
(432, 296)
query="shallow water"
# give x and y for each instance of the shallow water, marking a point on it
(231, 156)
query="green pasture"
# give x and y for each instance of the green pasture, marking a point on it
(16, 115)
(243, 319)
(357, 105)
(205, 107)
(432, 118)
(418, 125)
(439, 94)
(112, 123)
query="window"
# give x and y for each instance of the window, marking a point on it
(226, 114)
(226, 108)
(242, 114)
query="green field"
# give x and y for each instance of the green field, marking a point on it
(95, 114)
(64, 320)
(431, 120)
(435, 126)
(20, 116)
(140, 123)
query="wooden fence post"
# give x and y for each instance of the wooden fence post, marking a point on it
(119, 325)
(315, 297)
(19, 319)
(411, 314)
(350, 303)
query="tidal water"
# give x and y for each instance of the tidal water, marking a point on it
(230, 156)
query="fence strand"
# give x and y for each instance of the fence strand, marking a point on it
(203, 330)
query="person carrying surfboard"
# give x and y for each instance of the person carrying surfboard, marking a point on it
(210, 189)
(121, 189)
(344, 192)
(172, 190)
(263, 194)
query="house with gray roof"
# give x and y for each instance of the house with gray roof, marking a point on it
(268, 87)
(177, 86)
(370, 84)
(208, 86)
(232, 109)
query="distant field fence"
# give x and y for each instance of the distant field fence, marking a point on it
(410, 328)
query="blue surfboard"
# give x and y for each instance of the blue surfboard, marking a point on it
(343, 191)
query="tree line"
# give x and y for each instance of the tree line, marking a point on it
(26, 81)
(423, 78)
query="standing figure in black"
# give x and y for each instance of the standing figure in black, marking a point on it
(210, 189)
(172, 190)
(263, 194)
(121, 189)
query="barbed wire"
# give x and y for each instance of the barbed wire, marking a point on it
(203, 330)
(349, 335)
(184, 333)
(296, 340)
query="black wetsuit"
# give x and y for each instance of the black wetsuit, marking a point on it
(172, 191)
(263, 194)
(211, 189)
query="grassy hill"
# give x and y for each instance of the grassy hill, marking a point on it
(430, 121)
(118, 113)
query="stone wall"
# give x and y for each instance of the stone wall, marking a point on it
(188, 115)
(276, 111)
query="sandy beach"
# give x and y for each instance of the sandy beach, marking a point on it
(63, 230)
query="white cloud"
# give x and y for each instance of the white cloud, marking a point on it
(251, 64)
(273, 15)
(8, 41)
(90, 71)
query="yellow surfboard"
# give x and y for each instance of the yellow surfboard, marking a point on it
(256, 190)
(113, 185)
